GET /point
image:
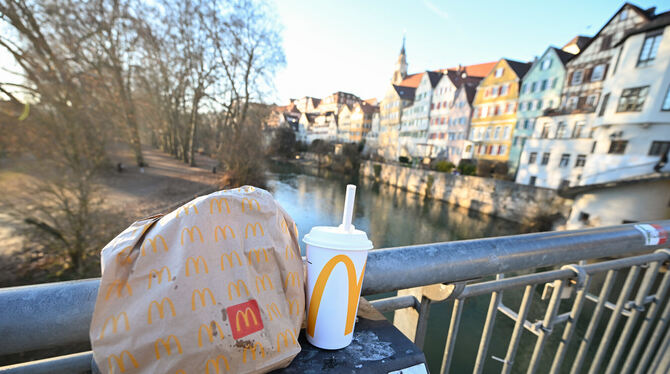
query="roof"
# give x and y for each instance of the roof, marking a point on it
(371, 101)
(520, 68)
(563, 55)
(580, 40)
(434, 77)
(658, 21)
(470, 91)
(405, 92)
(411, 80)
(478, 70)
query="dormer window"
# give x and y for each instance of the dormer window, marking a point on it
(546, 64)
(499, 72)
(623, 15)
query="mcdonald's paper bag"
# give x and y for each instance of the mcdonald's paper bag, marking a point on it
(215, 286)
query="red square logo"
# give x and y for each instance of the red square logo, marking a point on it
(244, 319)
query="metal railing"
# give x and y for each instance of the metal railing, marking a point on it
(53, 315)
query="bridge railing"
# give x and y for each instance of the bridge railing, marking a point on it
(636, 337)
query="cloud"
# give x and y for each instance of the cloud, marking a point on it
(437, 11)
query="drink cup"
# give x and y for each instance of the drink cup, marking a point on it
(336, 258)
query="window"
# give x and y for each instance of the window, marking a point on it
(632, 99)
(562, 130)
(578, 131)
(603, 105)
(649, 49)
(666, 101)
(659, 148)
(545, 131)
(606, 42)
(583, 217)
(572, 102)
(532, 181)
(522, 104)
(546, 64)
(488, 133)
(499, 72)
(565, 160)
(553, 82)
(538, 105)
(506, 132)
(496, 133)
(532, 158)
(502, 149)
(577, 77)
(544, 84)
(509, 108)
(591, 100)
(533, 87)
(623, 15)
(524, 87)
(504, 89)
(598, 73)
(581, 160)
(593, 147)
(618, 147)
(494, 91)
(526, 124)
(545, 158)
(496, 111)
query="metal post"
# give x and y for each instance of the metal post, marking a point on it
(595, 320)
(488, 331)
(571, 324)
(518, 328)
(451, 335)
(655, 337)
(638, 308)
(547, 326)
(614, 319)
(422, 324)
(661, 363)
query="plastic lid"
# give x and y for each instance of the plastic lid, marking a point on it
(338, 238)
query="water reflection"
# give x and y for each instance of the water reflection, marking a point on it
(391, 217)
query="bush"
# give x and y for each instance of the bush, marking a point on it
(283, 143)
(403, 159)
(378, 170)
(443, 166)
(467, 168)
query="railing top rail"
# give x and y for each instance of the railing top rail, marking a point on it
(48, 315)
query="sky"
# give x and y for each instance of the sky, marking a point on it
(353, 46)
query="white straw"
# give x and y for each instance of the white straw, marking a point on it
(348, 207)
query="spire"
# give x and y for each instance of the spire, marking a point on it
(402, 50)
(401, 65)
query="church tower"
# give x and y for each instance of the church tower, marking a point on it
(401, 66)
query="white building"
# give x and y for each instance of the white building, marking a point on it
(415, 118)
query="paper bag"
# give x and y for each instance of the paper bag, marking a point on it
(215, 286)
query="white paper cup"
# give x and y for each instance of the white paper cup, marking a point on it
(335, 268)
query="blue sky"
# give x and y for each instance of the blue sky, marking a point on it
(352, 46)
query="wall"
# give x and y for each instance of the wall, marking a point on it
(499, 198)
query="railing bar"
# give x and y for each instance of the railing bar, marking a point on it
(487, 333)
(526, 302)
(513, 315)
(643, 291)
(488, 287)
(545, 329)
(614, 319)
(646, 324)
(394, 303)
(571, 325)
(72, 363)
(422, 323)
(595, 320)
(655, 337)
(661, 354)
(621, 263)
(451, 335)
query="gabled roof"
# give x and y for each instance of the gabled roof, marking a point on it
(563, 55)
(477, 70)
(470, 91)
(580, 40)
(411, 80)
(658, 21)
(405, 92)
(520, 68)
(371, 101)
(434, 77)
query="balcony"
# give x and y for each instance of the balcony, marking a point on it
(627, 328)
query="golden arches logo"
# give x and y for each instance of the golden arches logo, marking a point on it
(118, 284)
(161, 308)
(294, 278)
(219, 204)
(238, 288)
(196, 265)
(320, 285)
(154, 244)
(166, 345)
(115, 320)
(272, 310)
(215, 364)
(262, 282)
(245, 189)
(249, 202)
(211, 331)
(285, 336)
(257, 252)
(191, 234)
(229, 256)
(291, 303)
(120, 256)
(119, 361)
(185, 208)
(222, 230)
(159, 275)
(202, 293)
(288, 252)
(253, 348)
(284, 226)
(253, 227)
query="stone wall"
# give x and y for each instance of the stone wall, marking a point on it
(515, 202)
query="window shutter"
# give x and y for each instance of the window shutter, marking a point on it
(570, 77)
(581, 101)
(587, 75)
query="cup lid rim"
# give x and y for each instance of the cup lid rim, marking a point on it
(336, 238)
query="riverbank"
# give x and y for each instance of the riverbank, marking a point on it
(515, 202)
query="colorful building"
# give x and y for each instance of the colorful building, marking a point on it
(361, 120)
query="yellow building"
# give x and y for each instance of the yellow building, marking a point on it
(361, 120)
(494, 115)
